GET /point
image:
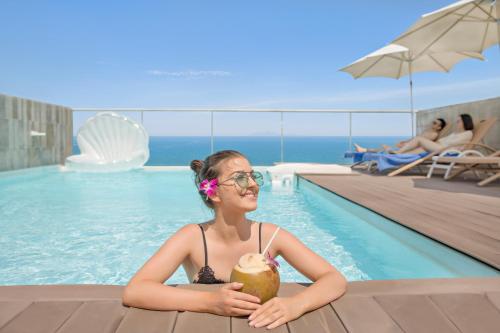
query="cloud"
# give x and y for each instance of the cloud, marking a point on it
(189, 73)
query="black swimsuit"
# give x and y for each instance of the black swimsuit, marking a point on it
(206, 274)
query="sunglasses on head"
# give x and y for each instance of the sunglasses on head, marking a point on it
(241, 178)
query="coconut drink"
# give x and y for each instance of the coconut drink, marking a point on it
(259, 275)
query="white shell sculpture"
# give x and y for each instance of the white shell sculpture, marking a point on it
(110, 142)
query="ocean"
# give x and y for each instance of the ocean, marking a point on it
(260, 150)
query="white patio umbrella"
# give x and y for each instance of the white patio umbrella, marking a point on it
(467, 25)
(395, 61)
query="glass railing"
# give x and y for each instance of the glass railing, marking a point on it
(178, 136)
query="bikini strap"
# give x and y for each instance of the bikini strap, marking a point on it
(260, 228)
(204, 244)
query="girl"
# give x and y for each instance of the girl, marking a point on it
(208, 252)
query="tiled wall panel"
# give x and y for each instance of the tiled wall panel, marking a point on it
(18, 117)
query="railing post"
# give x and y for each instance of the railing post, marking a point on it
(281, 149)
(350, 131)
(142, 117)
(211, 132)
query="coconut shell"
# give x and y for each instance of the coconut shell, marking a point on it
(264, 285)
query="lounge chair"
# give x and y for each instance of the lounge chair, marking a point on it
(480, 132)
(448, 163)
(471, 162)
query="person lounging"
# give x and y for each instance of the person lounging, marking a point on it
(432, 133)
(461, 135)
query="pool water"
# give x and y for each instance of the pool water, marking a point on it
(67, 228)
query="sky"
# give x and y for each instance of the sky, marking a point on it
(242, 54)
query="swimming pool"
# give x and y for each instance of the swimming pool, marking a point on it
(64, 228)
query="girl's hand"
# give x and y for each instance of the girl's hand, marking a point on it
(275, 312)
(228, 302)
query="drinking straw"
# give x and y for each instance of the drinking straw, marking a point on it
(274, 235)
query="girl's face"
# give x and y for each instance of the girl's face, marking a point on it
(229, 193)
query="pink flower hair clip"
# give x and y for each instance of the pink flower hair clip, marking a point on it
(271, 260)
(208, 187)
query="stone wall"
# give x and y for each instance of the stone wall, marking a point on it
(479, 110)
(18, 118)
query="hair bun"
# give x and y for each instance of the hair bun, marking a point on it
(196, 165)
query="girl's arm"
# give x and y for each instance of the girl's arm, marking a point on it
(329, 284)
(146, 289)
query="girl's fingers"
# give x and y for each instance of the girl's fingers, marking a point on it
(263, 318)
(246, 297)
(277, 323)
(262, 309)
(244, 305)
(268, 319)
(240, 312)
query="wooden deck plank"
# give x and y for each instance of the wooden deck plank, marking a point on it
(472, 313)
(490, 285)
(10, 309)
(323, 320)
(95, 316)
(41, 317)
(240, 325)
(145, 321)
(364, 314)
(197, 322)
(494, 298)
(456, 213)
(415, 313)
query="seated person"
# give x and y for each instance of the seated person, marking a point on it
(461, 135)
(432, 133)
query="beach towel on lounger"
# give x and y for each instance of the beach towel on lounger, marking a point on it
(386, 158)
(395, 159)
(356, 156)
(388, 161)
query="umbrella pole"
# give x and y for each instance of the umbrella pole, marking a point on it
(411, 101)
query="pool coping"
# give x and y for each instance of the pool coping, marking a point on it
(425, 305)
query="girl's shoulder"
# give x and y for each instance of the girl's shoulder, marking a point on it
(268, 226)
(268, 229)
(190, 229)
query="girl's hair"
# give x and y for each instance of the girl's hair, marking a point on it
(209, 169)
(467, 120)
(443, 123)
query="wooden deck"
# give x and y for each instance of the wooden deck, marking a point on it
(457, 213)
(443, 305)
